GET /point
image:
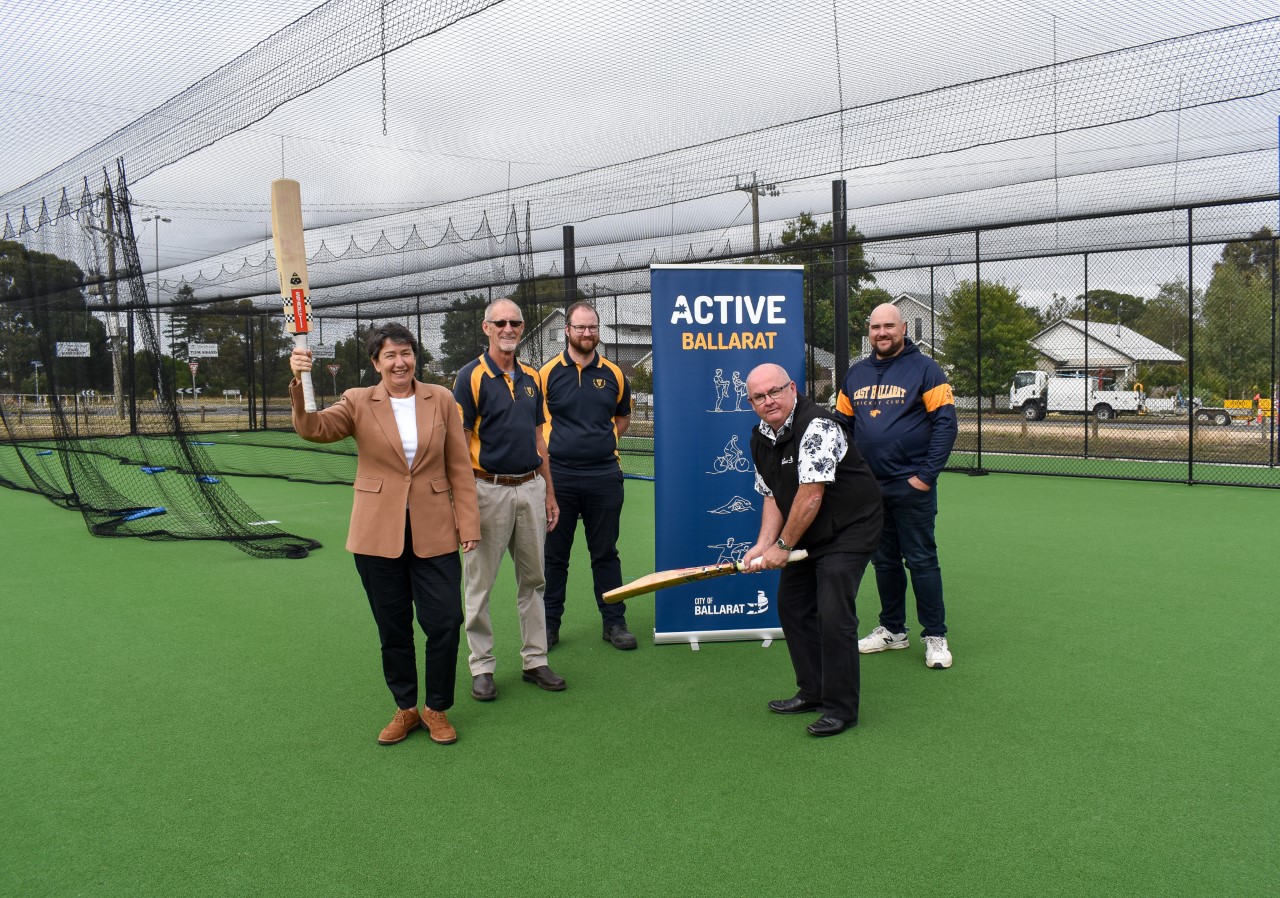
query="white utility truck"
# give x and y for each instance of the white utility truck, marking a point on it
(1036, 393)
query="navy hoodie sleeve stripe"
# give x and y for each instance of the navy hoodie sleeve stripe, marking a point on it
(902, 413)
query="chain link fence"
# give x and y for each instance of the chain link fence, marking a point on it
(1135, 346)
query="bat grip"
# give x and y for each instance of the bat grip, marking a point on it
(304, 377)
(796, 555)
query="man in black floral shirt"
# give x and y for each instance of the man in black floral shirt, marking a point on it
(820, 496)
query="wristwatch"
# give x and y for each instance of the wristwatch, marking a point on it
(783, 546)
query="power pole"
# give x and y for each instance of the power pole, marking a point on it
(756, 189)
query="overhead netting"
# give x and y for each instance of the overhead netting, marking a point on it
(443, 146)
(128, 463)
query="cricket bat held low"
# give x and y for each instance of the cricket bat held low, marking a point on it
(663, 579)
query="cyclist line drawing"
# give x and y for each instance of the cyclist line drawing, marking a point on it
(731, 459)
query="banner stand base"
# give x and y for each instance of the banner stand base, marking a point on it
(693, 638)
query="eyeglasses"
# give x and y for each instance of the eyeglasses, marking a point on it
(503, 322)
(584, 328)
(759, 398)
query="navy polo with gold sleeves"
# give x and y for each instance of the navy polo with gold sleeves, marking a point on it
(580, 405)
(502, 413)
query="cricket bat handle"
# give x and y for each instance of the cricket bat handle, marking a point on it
(304, 377)
(796, 555)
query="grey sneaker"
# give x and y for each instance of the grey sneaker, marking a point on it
(936, 653)
(881, 640)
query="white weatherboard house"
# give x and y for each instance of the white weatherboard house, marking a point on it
(922, 320)
(1066, 347)
(625, 335)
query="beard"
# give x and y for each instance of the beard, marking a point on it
(894, 347)
(585, 344)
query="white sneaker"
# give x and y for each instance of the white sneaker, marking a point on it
(936, 653)
(881, 640)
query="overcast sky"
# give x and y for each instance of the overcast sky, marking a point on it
(532, 89)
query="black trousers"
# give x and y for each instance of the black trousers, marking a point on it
(395, 586)
(817, 609)
(598, 500)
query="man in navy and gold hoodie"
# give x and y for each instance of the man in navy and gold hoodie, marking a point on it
(903, 416)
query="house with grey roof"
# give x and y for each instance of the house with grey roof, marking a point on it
(625, 333)
(921, 315)
(1068, 347)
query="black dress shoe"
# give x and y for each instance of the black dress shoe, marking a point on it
(545, 678)
(795, 705)
(482, 688)
(620, 637)
(826, 725)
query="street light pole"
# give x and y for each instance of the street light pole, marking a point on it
(37, 366)
(157, 218)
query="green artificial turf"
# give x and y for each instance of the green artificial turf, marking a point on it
(184, 720)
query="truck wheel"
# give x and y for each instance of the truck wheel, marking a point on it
(1203, 417)
(1104, 413)
(1031, 411)
(1222, 419)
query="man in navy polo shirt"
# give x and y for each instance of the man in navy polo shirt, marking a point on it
(587, 410)
(500, 400)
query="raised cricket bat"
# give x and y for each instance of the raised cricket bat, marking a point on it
(291, 263)
(663, 579)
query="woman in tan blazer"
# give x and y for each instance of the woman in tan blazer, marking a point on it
(415, 504)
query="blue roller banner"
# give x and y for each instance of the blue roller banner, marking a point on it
(711, 325)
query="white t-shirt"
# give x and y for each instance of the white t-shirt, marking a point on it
(407, 423)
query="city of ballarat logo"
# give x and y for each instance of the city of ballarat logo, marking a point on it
(710, 606)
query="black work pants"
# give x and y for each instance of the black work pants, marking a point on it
(598, 500)
(395, 587)
(817, 610)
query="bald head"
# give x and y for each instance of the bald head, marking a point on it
(886, 331)
(771, 393)
(886, 311)
(770, 371)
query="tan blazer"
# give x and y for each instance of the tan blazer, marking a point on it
(440, 489)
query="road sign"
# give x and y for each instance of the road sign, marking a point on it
(193, 366)
(334, 369)
(73, 350)
(324, 350)
(202, 350)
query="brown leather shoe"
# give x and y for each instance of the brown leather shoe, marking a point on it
(483, 688)
(405, 722)
(545, 678)
(442, 732)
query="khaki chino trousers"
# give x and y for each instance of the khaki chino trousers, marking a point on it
(514, 519)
